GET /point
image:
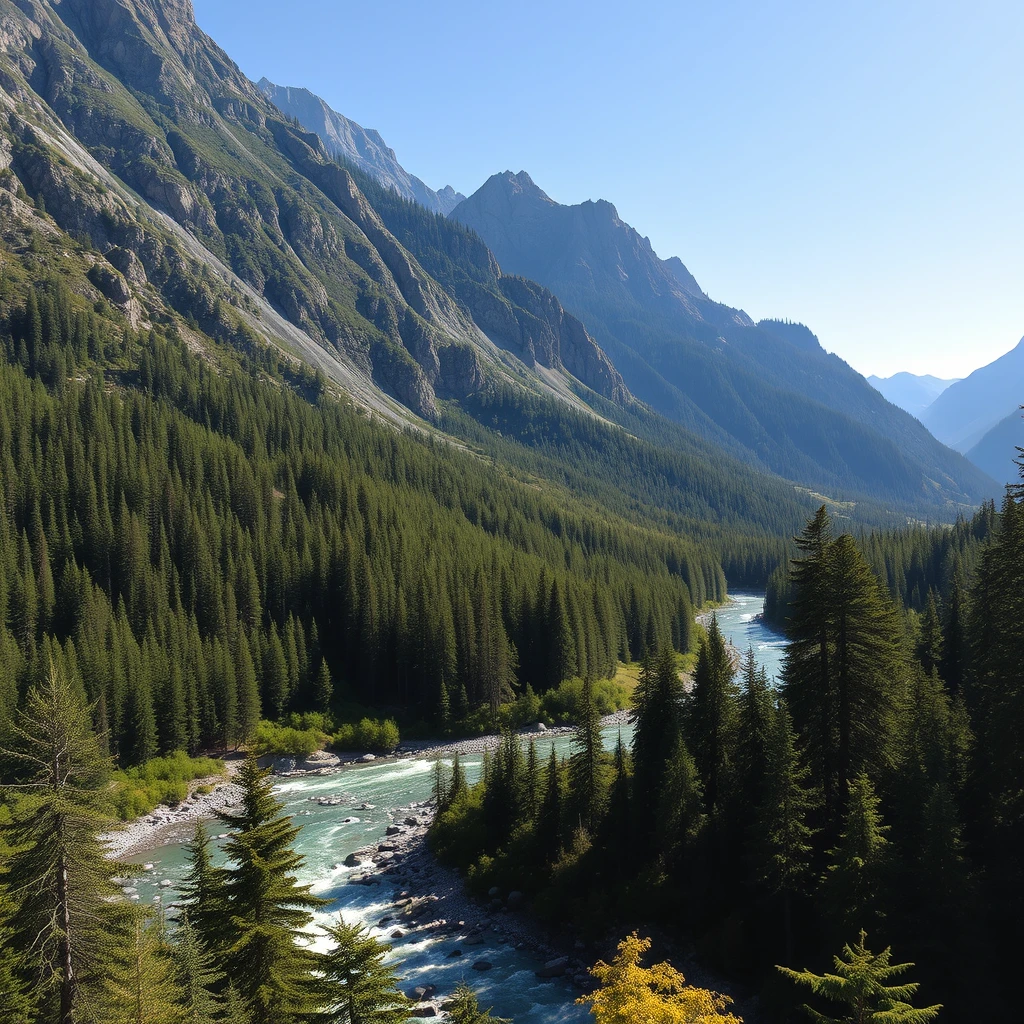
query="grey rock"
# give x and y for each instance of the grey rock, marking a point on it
(397, 934)
(427, 1010)
(352, 861)
(360, 146)
(421, 993)
(554, 968)
(516, 900)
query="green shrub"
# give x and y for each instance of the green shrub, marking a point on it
(380, 736)
(288, 740)
(558, 706)
(163, 780)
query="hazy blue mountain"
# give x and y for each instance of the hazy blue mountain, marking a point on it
(911, 391)
(767, 391)
(966, 411)
(360, 146)
(996, 451)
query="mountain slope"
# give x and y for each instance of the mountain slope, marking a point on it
(108, 103)
(909, 391)
(967, 410)
(996, 451)
(768, 392)
(360, 146)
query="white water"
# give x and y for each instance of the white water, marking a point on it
(329, 834)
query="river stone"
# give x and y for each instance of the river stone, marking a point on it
(398, 934)
(366, 759)
(393, 830)
(541, 727)
(554, 968)
(352, 861)
(493, 892)
(454, 953)
(421, 993)
(482, 965)
(429, 1010)
(516, 900)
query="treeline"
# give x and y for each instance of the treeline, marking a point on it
(867, 792)
(202, 544)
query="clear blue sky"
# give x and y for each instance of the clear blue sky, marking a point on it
(854, 166)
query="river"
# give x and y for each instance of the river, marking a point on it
(329, 834)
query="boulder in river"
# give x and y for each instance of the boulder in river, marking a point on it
(393, 830)
(366, 759)
(352, 861)
(482, 965)
(494, 892)
(421, 993)
(554, 968)
(515, 900)
(454, 953)
(397, 934)
(426, 1010)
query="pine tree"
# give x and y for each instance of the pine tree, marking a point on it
(861, 983)
(202, 893)
(68, 918)
(458, 787)
(851, 890)
(549, 821)
(754, 723)
(781, 842)
(196, 977)
(358, 987)
(712, 723)
(531, 783)
(930, 646)
(267, 909)
(681, 817)
(17, 999)
(145, 991)
(587, 782)
(463, 1008)
(657, 721)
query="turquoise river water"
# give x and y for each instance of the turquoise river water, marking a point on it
(329, 834)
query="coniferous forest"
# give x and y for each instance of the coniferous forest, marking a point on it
(288, 462)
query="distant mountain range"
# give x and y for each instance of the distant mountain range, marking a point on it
(966, 411)
(258, 215)
(767, 392)
(360, 146)
(910, 391)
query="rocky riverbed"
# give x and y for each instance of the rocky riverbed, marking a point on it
(429, 900)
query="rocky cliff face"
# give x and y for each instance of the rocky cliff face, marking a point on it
(767, 389)
(140, 137)
(357, 145)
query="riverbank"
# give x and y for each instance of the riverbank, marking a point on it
(167, 824)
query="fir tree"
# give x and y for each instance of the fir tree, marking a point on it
(196, 976)
(267, 909)
(862, 985)
(463, 1008)
(358, 986)
(68, 918)
(587, 783)
(712, 722)
(549, 821)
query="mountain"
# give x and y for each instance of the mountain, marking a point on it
(996, 451)
(969, 409)
(360, 146)
(909, 391)
(766, 392)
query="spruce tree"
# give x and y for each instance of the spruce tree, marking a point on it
(549, 821)
(781, 835)
(68, 919)
(267, 909)
(203, 894)
(463, 1008)
(852, 888)
(196, 976)
(712, 722)
(862, 984)
(358, 987)
(587, 783)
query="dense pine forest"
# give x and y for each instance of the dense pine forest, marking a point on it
(876, 788)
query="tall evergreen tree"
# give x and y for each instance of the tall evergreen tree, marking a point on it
(68, 917)
(359, 988)
(267, 909)
(587, 782)
(712, 724)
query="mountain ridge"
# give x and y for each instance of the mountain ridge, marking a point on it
(969, 409)
(363, 147)
(769, 390)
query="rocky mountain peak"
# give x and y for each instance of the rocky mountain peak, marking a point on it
(362, 147)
